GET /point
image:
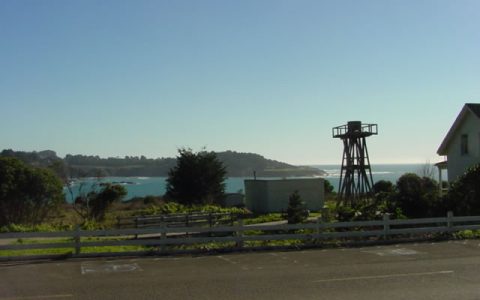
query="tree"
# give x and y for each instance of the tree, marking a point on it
(198, 178)
(417, 196)
(296, 211)
(463, 198)
(94, 204)
(328, 187)
(383, 186)
(27, 194)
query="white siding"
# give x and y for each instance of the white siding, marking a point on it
(458, 163)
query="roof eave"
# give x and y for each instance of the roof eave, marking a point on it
(442, 150)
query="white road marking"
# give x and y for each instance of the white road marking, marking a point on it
(87, 268)
(227, 260)
(393, 252)
(40, 297)
(166, 258)
(385, 276)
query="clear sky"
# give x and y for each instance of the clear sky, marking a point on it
(116, 78)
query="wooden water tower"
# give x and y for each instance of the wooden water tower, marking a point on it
(356, 180)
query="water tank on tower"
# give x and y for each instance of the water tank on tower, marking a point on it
(356, 180)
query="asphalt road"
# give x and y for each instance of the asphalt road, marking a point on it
(446, 270)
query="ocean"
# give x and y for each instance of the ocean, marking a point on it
(144, 186)
(389, 172)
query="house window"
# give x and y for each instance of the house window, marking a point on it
(464, 144)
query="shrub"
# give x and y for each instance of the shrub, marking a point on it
(463, 198)
(296, 212)
(328, 187)
(417, 196)
(93, 205)
(383, 186)
(27, 194)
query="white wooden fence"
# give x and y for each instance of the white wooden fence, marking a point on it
(161, 239)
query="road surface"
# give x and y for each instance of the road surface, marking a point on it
(445, 270)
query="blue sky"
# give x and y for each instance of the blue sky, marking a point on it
(116, 78)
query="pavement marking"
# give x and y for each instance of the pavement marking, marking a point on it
(393, 252)
(385, 276)
(168, 258)
(87, 268)
(227, 260)
(39, 297)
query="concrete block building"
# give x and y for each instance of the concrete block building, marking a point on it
(271, 195)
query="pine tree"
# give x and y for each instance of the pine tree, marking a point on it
(198, 178)
(296, 212)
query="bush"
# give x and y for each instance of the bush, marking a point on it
(93, 205)
(417, 196)
(296, 211)
(32, 228)
(345, 213)
(383, 186)
(27, 194)
(177, 208)
(328, 187)
(463, 198)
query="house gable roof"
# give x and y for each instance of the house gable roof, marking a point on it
(474, 109)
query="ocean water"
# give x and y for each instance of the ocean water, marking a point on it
(389, 172)
(141, 186)
(144, 186)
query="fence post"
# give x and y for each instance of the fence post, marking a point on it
(239, 233)
(77, 239)
(163, 236)
(319, 231)
(450, 220)
(136, 226)
(386, 225)
(325, 214)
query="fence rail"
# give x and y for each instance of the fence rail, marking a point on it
(159, 237)
(177, 220)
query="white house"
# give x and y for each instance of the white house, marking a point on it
(461, 145)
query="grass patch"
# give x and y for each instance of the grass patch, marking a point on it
(264, 219)
(70, 250)
(467, 234)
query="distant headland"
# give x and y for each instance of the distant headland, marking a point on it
(237, 164)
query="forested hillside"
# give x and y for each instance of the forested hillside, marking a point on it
(237, 164)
